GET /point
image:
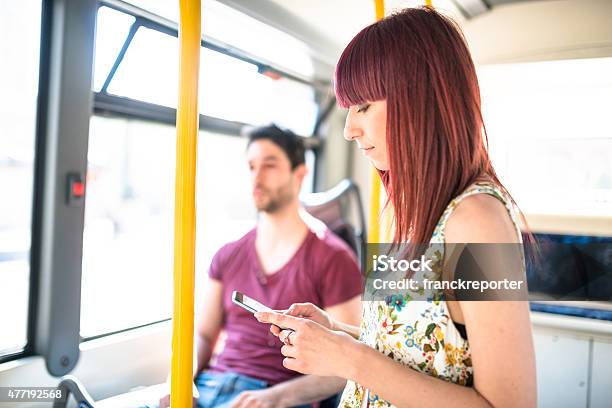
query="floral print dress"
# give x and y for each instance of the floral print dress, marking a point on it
(420, 334)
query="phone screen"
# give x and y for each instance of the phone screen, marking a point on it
(249, 304)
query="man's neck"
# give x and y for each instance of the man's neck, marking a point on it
(286, 224)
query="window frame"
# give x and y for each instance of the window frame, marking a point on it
(109, 105)
(59, 17)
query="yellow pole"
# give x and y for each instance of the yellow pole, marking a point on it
(184, 204)
(375, 184)
(380, 9)
(428, 3)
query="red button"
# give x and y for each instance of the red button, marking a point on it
(78, 189)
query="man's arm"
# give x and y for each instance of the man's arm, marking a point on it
(302, 390)
(209, 323)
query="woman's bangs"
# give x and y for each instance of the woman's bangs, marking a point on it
(358, 76)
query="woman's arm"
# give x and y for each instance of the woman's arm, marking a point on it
(353, 331)
(346, 316)
(502, 357)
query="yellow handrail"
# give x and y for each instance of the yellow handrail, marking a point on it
(184, 204)
(375, 184)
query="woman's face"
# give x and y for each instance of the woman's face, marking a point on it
(366, 124)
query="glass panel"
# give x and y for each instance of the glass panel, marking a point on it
(557, 158)
(127, 241)
(230, 89)
(112, 29)
(19, 45)
(246, 33)
(149, 71)
(238, 30)
(128, 238)
(233, 90)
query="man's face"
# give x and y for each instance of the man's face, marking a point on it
(275, 185)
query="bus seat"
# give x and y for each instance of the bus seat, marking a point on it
(341, 209)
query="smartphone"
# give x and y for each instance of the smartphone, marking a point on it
(248, 303)
(251, 305)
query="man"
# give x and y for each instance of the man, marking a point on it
(280, 262)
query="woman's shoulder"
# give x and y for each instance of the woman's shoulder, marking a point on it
(480, 218)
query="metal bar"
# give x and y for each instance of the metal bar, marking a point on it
(39, 168)
(111, 333)
(65, 133)
(121, 55)
(324, 114)
(117, 106)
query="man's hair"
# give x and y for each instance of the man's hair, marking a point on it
(289, 142)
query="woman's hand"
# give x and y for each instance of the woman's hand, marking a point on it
(307, 311)
(310, 347)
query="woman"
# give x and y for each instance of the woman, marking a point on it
(413, 102)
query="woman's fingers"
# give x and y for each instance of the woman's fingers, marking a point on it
(300, 309)
(280, 320)
(288, 337)
(288, 351)
(292, 364)
(275, 330)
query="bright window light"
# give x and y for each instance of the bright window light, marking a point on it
(261, 40)
(230, 89)
(550, 133)
(240, 31)
(112, 30)
(20, 45)
(149, 71)
(129, 215)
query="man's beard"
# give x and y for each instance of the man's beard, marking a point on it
(277, 199)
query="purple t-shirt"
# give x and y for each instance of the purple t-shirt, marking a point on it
(323, 271)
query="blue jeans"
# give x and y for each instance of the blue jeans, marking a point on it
(218, 390)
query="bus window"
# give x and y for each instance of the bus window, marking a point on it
(551, 119)
(241, 90)
(112, 30)
(230, 26)
(129, 213)
(230, 89)
(20, 45)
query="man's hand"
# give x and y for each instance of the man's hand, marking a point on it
(164, 402)
(257, 399)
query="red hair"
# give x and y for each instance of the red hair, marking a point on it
(418, 60)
